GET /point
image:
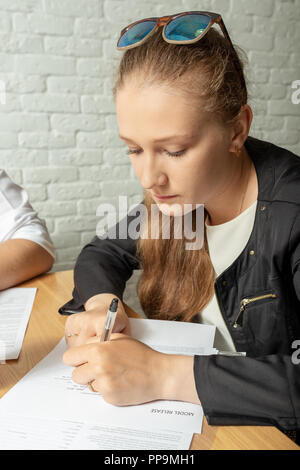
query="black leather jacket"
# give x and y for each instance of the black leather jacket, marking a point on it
(262, 388)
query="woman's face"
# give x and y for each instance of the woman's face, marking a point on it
(155, 123)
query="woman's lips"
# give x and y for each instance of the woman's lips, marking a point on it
(163, 198)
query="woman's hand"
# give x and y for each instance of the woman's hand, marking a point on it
(90, 324)
(123, 370)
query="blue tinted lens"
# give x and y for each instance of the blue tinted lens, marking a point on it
(186, 27)
(136, 33)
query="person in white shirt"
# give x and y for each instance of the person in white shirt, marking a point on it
(26, 249)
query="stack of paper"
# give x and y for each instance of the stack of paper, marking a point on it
(47, 410)
(15, 308)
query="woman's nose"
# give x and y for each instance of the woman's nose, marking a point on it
(151, 174)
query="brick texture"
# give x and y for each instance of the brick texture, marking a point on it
(58, 129)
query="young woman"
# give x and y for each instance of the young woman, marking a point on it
(181, 103)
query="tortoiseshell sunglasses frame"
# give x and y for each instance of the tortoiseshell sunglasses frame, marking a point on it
(165, 20)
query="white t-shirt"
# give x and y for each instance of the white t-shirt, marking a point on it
(17, 217)
(225, 242)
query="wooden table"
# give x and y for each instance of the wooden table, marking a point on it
(45, 330)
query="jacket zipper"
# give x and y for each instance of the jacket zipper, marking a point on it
(244, 302)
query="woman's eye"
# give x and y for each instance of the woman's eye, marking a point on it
(171, 154)
(132, 151)
(176, 154)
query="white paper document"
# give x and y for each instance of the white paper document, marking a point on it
(174, 337)
(15, 308)
(48, 395)
(19, 432)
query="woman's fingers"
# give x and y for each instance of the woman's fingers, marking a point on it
(82, 327)
(127, 329)
(78, 355)
(72, 329)
(118, 336)
(83, 374)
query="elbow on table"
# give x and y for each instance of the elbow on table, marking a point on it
(21, 260)
(46, 261)
(37, 260)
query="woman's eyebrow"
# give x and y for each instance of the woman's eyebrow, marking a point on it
(164, 139)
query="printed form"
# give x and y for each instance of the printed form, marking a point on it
(15, 309)
(47, 410)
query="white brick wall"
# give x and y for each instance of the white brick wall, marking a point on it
(58, 129)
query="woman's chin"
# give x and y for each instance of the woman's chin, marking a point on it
(171, 210)
(176, 209)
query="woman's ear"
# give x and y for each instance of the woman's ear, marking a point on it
(241, 128)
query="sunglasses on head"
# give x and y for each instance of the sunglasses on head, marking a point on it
(182, 28)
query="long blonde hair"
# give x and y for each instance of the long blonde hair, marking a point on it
(176, 283)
